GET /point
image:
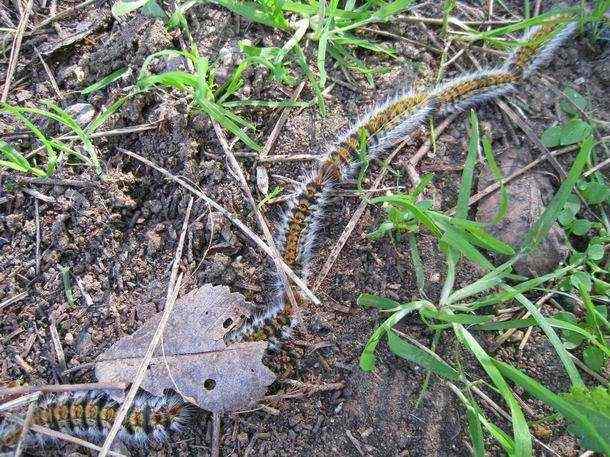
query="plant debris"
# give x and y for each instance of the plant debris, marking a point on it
(193, 358)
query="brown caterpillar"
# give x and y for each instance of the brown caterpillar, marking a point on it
(383, 127)
(89, 415)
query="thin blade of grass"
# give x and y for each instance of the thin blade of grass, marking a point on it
(521, 434)
(564, 407)
(421, 356)
(105, 81)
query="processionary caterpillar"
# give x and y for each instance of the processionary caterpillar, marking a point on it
(89, 415)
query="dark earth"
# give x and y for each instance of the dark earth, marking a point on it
(117, 233)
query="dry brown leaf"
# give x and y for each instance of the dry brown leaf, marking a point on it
(193, 359)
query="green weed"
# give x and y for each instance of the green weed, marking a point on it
(460, 310)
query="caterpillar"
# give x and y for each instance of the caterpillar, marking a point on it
(90, 414)
(384, 126)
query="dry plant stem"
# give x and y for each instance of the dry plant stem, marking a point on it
(215, 435)
(63, 14)
(52, 181)
(232, 218)
(37, 214)
(49, 74)
(498, 410)
(60, 388)
(59, 350)
(440, 21)
(12, 61)
(172, 293)
(279, 125)
(587, 370)
(12, 300)
(63, 436)
(597, 167)
(18, 402)
(234, 164)
(26, 426)
(289, 158)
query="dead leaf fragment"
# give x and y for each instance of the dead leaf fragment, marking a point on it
(193, 358)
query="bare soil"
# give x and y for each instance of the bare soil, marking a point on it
(118, 233)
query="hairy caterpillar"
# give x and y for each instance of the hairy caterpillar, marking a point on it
(89, 415)
(383, 127)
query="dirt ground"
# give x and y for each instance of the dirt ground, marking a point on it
(117, 234)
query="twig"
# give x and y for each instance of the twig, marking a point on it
(215, 435)
(53, 181)
(18, 402)
(59, 351)
(276, 257)
(279, 125)
(63, 14)
(49, 74)
(172, 293)
(231, 217)
(14, 299)
(26, 426)
(597, 167)
(290, 158)
(12, 61)
(59, 388)
(63, 436)
(440, 21)
(37, 214)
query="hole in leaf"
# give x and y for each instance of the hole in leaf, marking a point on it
(209, 384)
(227, 323)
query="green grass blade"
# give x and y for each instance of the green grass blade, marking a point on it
(474, 141)
(564, 407)
(105, 81)
(421, 356)
(375, 301)
(367, 358)
(418, 265)
(542, 226)
(544, 324)
(497, 174)
(522, 437)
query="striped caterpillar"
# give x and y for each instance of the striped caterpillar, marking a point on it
(89, 415)
(383, 127)
(151, 419)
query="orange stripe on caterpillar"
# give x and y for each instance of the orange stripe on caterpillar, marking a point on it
(90, 415)
(465, 88)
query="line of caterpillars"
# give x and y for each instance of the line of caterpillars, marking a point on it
(398, 118)
(90, 414)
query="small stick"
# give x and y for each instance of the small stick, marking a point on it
(290, 158)
(14, 299)
(63, 436)
(26, 425)
(49, 74)
(306, 391)
(597, 167)
(215, 435)
(37, 236)
(279, 125)
(60, 388)
(63, 14)
(59, 351)
(172, 293)
(232, 218)
(39, 195)
(17, 402)
(53, 181)
(16, 48)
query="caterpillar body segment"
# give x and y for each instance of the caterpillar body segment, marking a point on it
(89, 415)
(541, 43)
(471, 90)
